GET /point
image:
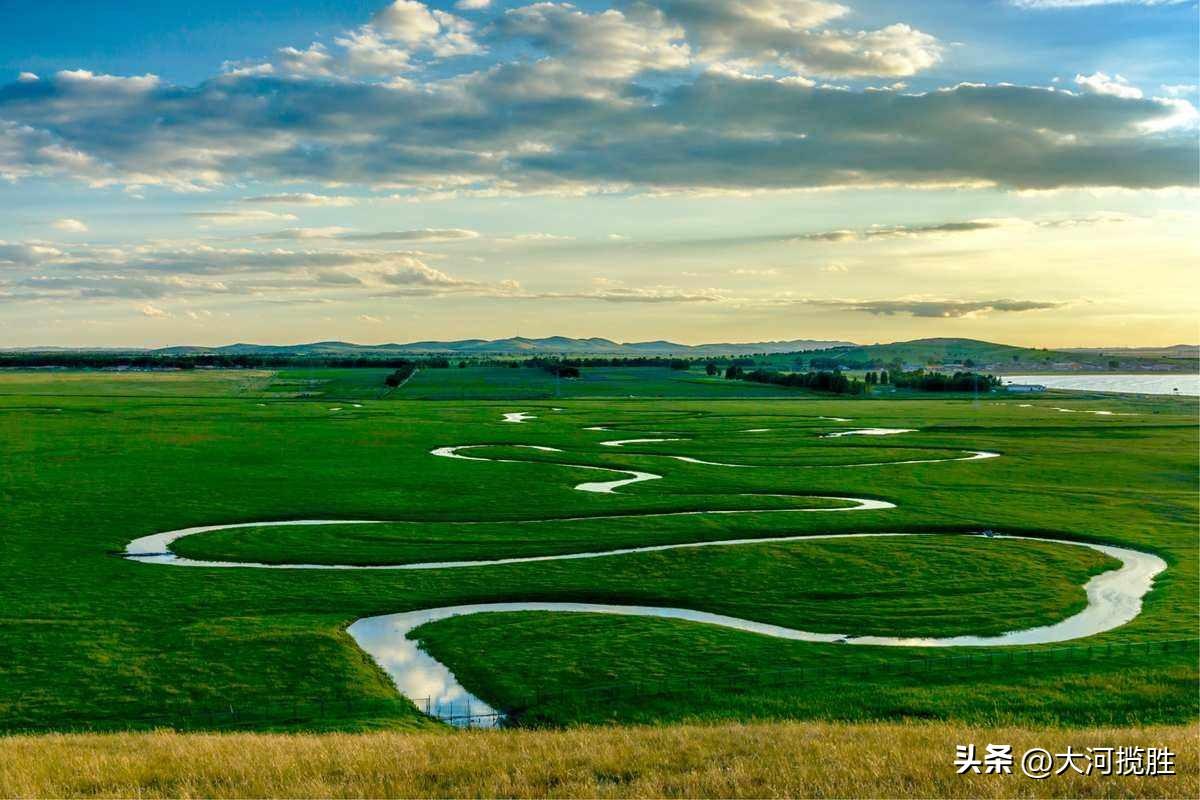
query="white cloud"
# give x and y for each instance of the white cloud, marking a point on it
(538, 237)
(472, 5)
(417, 235)
(607, 45)
(25, 254)
(1045, 4)
(1183, 115)
(112, 85)
(727, 26)
(239, 69)
(414, 24)
(313, 61)
(571, 110)
(240, 217)
(70, 225)
(1180, 89)
(1115, 85)
(901, 231)
(626, 294)
(896, 50)
(755, 273)
(154, 311)
(337, 277)
(328, 232)
(383, 48)
(936, 308)
(416, 273)
(368, 53)
(187, 259)
(302, 199)
(349, 235)
(369, 319)
(406, 21)
(792, 33)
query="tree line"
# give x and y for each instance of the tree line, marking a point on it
(831, 382)
(400, 376)
(148, 361)
(941, 382)
(639, 361)
(835, 382)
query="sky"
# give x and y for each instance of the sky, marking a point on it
(1023, 171)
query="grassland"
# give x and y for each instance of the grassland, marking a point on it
(757, 760)
(491, 382)
(134, 383)
(93, 460)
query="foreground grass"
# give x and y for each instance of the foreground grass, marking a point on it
(756, 760)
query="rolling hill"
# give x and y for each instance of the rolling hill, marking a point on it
(990, 355)
(517, 345)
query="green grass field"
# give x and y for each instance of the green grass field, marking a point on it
(93, 460)
(476, 382)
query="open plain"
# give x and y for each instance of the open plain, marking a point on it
(428, 504)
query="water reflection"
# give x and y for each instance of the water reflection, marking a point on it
(424, 680)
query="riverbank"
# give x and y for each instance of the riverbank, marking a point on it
(761, 760)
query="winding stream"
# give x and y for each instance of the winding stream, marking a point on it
(869, 432)
(1114, 598)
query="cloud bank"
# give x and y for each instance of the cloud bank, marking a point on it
(939, 309)
(647, 96)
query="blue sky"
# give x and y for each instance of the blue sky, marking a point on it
(188, 42)
(1018, 170)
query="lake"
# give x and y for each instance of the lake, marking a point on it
(1178, 383)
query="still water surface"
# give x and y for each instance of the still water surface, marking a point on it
(1123, 384)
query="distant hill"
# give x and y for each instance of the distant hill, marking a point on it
(1171, 351)
(942, 351)
(993, 356)
(517, 345)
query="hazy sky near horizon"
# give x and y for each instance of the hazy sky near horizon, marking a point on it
(701, 170)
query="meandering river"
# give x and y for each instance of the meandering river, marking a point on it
(1114, 598)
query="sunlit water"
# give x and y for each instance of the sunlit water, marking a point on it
(1114, 598)
(869, 432)
(1123, 384)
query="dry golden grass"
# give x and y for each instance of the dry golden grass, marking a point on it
(757, 760)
